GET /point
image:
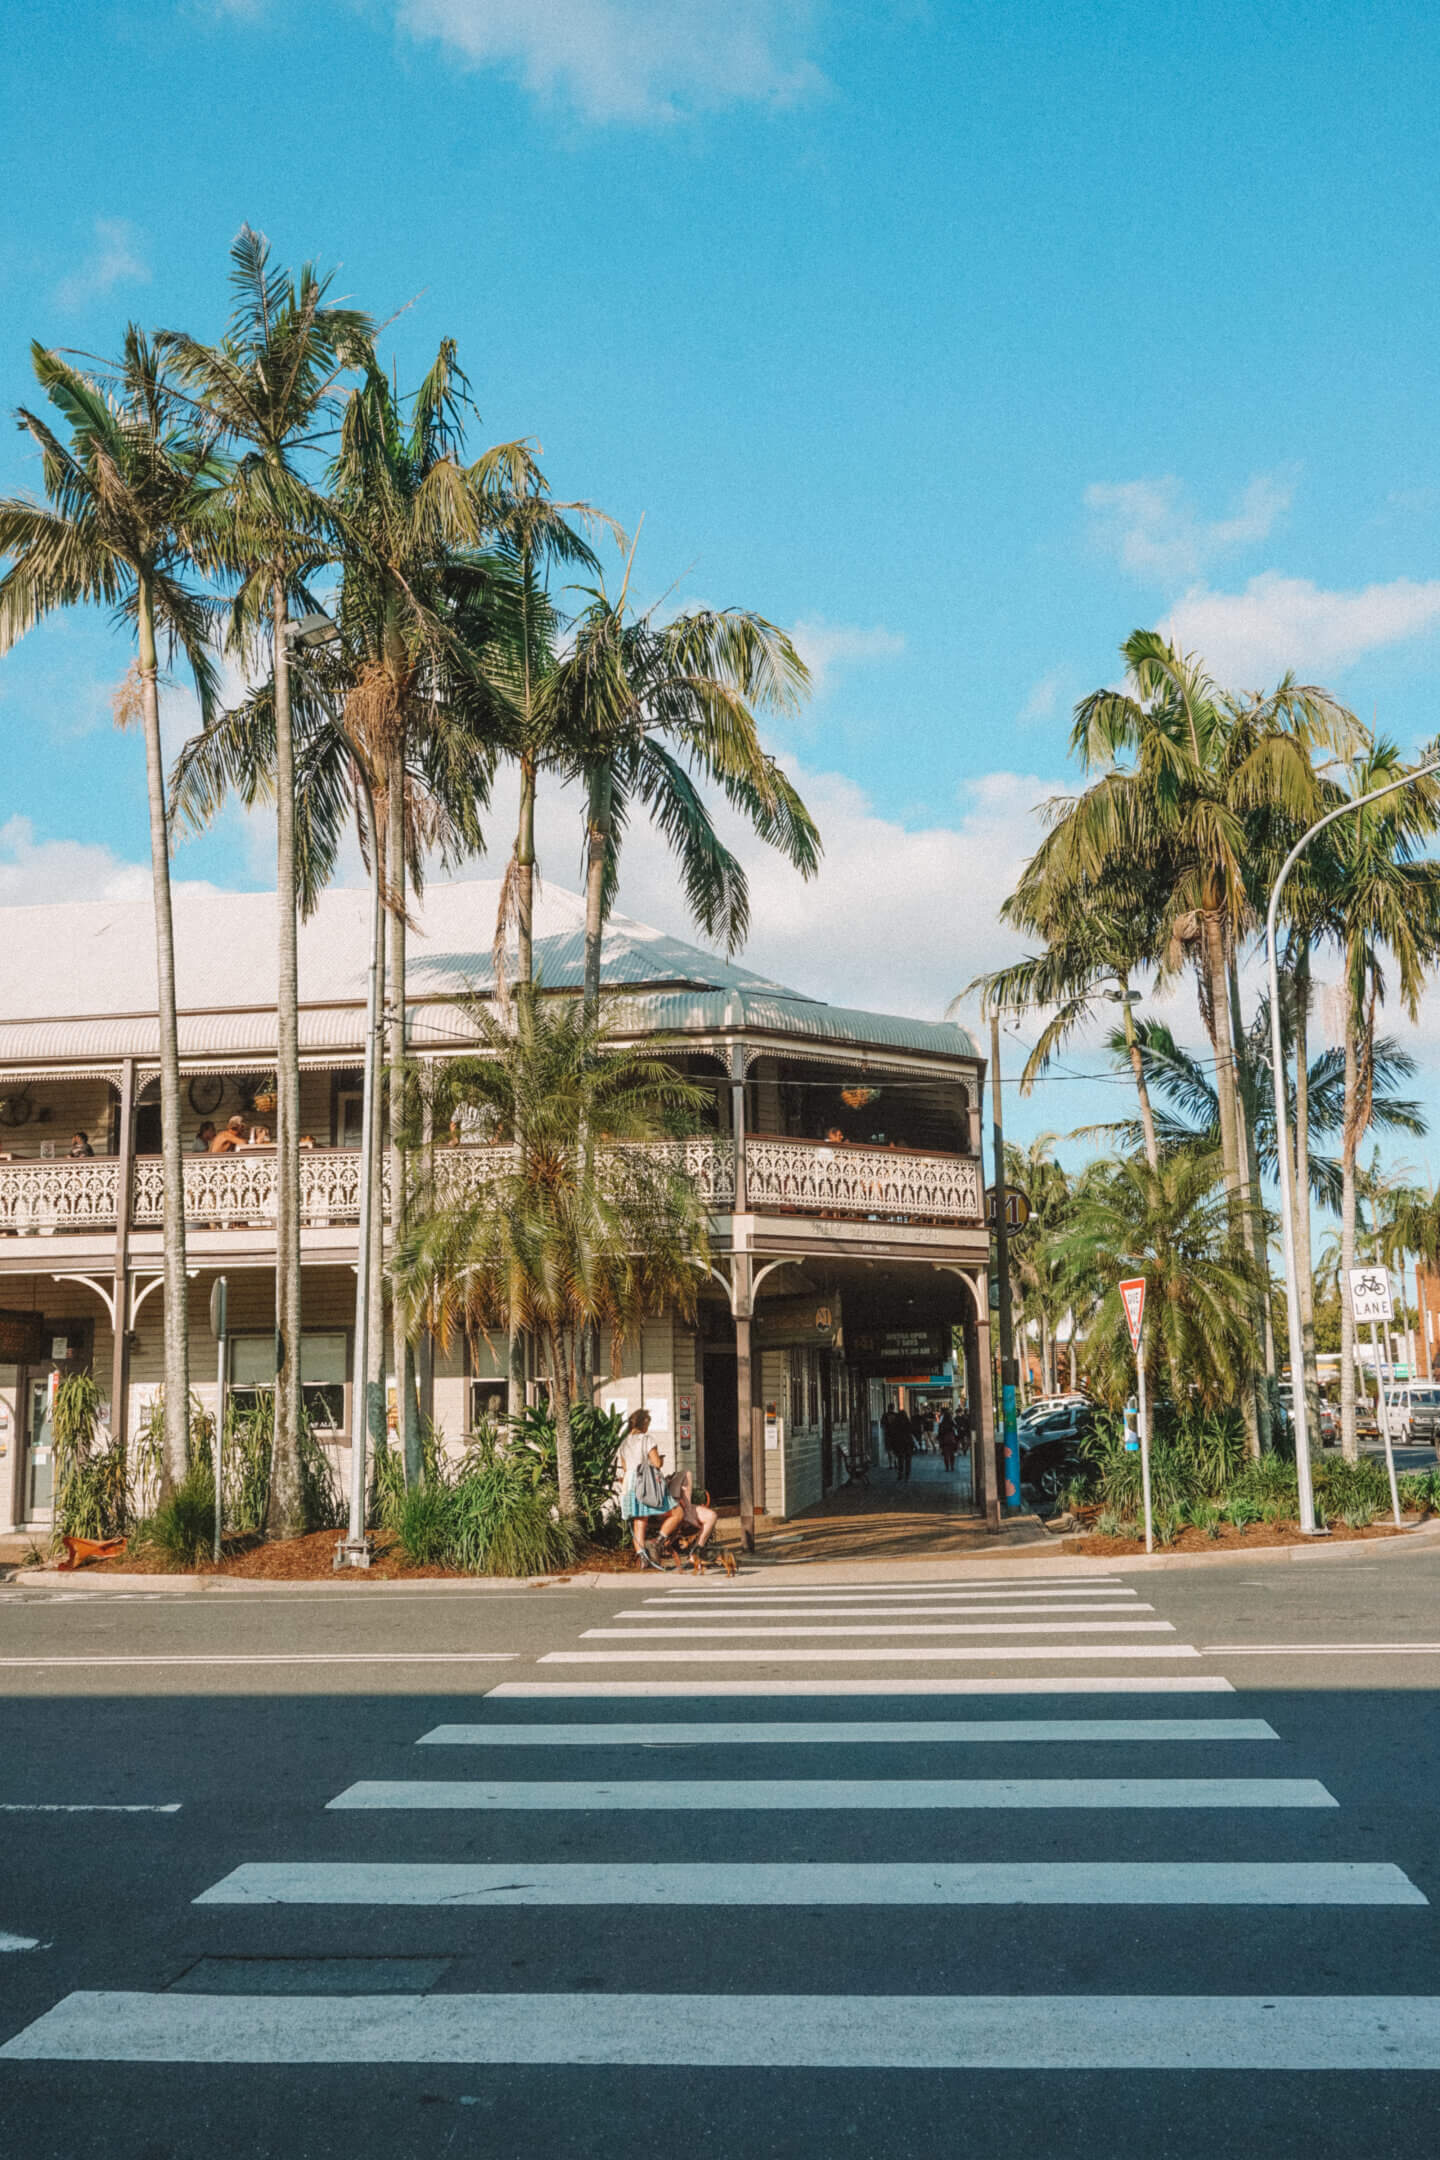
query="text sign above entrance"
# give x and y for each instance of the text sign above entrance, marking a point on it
(796, 1323)
(903, 1350)
(22, 1338)
(1370, 1294)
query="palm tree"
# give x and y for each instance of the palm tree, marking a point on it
(1384, 903)
(268, 389)
(1175, 1226)
(1039, 1289)
(635, 710)
(1191, 778)
(565, 1238)
(1093, 939)
(129, 498)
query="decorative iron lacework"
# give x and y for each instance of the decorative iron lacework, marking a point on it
(809, 1178)
(66, 1195)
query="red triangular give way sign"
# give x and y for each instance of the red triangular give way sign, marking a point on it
(1134, 1295)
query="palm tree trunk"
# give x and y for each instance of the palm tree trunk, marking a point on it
(560, 1409)
(407, 1423)
(525, 880)
(1349, 1142)
(285, 1516)
(1222, 1041)
(177, 1285)
(1304, 1272)
(1246, 1108)
(1137, 1066)
(597, 841)
(374, 1374)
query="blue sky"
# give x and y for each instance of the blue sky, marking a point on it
(962, 339)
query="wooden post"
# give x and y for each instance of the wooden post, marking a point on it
(120, 1351)
(744, 1400)
(987, 1488)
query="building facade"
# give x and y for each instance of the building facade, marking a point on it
(839, 1160)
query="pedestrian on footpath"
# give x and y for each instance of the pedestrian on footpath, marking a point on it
(899, 1441)
(947, 1438)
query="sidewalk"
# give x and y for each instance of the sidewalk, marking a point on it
(929, 1517)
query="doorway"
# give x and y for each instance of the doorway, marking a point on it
(39, 1450)
(722, 1426)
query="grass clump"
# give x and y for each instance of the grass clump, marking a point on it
(183, 1523)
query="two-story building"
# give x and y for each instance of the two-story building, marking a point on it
(840, 1162)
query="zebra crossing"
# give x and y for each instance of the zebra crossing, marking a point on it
(788, 1786)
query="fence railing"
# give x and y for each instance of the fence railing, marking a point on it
(237, 1191)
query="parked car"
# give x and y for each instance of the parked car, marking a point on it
(1414, 1407)
(1051, 1447)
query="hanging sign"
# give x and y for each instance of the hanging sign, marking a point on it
(1133, 1293)
(1017, 1207)
(1370, 1294)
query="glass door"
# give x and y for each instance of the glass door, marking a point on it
(39, 1452)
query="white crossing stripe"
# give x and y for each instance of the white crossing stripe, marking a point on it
(928, 1627)
(932, 1654)
(823, 1690)
(275, 1657)
(846, 2032)
(1323, 1649)
(657, 1795)
(688, 1592)
(819, 1882)
(815, 1732)
(18, 1942)
(872, 1612)
(89, 1807)
(1007, 1583)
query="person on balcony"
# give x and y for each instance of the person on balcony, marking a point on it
(204, 1139)
(80, 1146)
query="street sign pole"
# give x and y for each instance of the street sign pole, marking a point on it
(1009, 1372)
(1370, 1300)
(1382, 1400)
(1132, 1297)
(219, 1328)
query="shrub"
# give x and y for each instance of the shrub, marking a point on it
(1168, 1523)
(1420, 1491)
(1110, 1523)
(1242, 1508)
(183, 1525)
(424, 1521)
(92, 1498)
(1211, 1447)
(596, 1438)
(1204, 1515)
(246, 1465)
(1343, 1486)
(505, 1522)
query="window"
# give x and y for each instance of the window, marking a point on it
(323, 1363)
(796, 1363)
(812, 1390)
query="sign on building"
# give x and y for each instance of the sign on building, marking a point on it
(796, 1323)
(22, 1338)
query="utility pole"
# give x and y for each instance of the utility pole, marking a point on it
(1008, 1370)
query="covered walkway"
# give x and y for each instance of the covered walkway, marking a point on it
(930, 1516)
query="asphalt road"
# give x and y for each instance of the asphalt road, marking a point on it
(1143, 1864)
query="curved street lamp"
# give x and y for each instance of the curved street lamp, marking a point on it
(1282, 1133)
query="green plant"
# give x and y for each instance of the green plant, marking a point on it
(1358, 1515)
(91, 1490)
(1111, 1523)
(1211, 1446)
(1420, 1491)
(1204, 1516)
(424, 1522)
(183, 1525)
(1242, 1509)
(596, 1437)
(1168, 1522)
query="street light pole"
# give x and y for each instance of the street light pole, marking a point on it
(1282, 1130)
(1008, 1369)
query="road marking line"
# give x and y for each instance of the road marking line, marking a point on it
(936, 1627)
(814, 1732)
(1008, 1584)
(88, 1807)
(819, 1882)
(722, 1794)
(875, 1612)
(689, 1593)
(278, 1657)
(933, 1654)
(1322, 1649)
(822, 1691)
(18, 1942)
(846, 2032)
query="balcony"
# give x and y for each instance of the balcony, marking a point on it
(79, 1199)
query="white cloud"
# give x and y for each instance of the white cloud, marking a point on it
(825, 647)
(33, 871)
(898, 920)
(1043, 699)
(1249, 638)
(631, 60)
(116, 258)
(1154, 531)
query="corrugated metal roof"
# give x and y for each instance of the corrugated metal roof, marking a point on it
(78, 982)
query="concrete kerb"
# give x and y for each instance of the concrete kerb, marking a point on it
(972, 1566)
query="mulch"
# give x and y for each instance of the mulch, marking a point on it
(312, 1559)
(1229, 1537)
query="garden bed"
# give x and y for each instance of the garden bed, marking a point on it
(1227, 1538)
(312, 1559)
